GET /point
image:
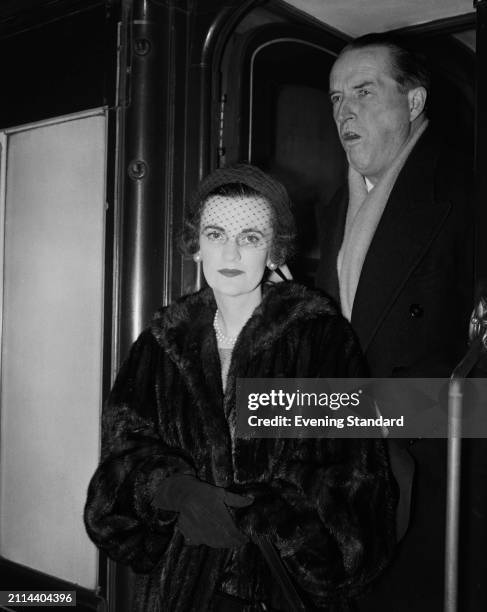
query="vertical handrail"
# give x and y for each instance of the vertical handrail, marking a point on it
(478, 347)
(455, 397)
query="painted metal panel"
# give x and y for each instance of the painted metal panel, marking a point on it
(52, 342)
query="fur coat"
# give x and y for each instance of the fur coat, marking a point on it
(327, 504)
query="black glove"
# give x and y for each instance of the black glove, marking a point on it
(203, 514)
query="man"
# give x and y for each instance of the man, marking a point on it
(396, 253)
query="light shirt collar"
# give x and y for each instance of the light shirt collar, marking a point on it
(368, 184)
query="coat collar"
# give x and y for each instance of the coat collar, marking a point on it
(184, 327)
(184, 330)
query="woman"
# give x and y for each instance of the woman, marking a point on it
(177, 495)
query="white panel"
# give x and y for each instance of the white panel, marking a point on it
(52, 344)
(357, 17)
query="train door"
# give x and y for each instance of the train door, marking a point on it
(53, 251)
(275, 110)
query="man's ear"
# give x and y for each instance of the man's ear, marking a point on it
(417, 101)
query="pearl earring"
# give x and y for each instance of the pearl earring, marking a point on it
(271, 265)
(197, 257)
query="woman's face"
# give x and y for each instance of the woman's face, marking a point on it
(235, 241)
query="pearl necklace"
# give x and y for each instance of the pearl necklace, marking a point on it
(220, 336)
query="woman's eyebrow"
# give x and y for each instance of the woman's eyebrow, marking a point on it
(211, 226)
(252, 229)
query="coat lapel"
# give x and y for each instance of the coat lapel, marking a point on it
(410, 222)
(185, 331)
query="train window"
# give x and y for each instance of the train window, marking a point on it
(289, 131)
(53, 190)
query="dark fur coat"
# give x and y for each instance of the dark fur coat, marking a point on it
(328, 504)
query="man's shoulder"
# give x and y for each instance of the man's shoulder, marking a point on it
(437, 171)
(449, 164)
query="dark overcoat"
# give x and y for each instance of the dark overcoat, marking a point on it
(415, 292)
(327, 504)
(411, 314)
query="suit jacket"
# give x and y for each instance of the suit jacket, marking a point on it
(415, 292)
(327, 504)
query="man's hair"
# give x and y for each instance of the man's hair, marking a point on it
(408, 67)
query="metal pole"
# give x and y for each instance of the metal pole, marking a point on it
(455, 397)
(478, 346)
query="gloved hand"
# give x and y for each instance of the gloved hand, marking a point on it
(203, 514)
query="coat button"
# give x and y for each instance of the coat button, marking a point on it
(416, 311)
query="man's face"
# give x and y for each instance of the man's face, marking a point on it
(372, 115)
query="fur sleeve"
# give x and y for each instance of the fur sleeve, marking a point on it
(119, 515)
(329, 504)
